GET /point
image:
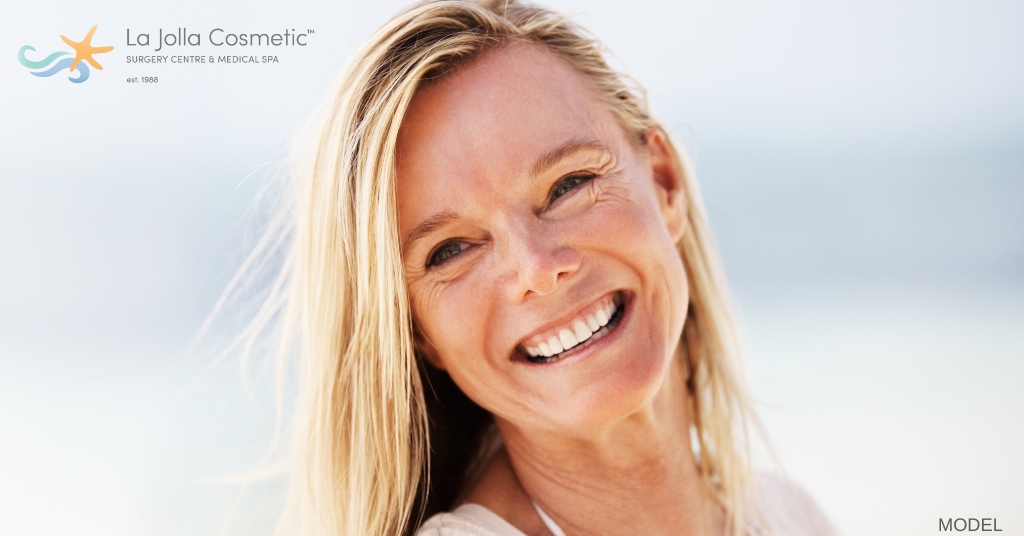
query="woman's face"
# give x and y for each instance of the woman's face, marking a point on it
(538, 243)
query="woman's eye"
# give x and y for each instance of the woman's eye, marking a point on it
(567, 184)
(445, 252)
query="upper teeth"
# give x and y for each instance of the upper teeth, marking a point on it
(577, 331)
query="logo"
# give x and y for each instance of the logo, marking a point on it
(83, 55)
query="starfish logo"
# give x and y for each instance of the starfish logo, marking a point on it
(83, 58)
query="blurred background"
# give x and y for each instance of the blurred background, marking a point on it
(862, 164)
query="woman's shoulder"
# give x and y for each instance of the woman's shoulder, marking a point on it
(468, 520)
(788, 508)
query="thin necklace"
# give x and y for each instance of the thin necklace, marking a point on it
(548, 522)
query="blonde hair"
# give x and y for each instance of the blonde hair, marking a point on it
(363, 416)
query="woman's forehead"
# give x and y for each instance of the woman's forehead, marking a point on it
(490, 121)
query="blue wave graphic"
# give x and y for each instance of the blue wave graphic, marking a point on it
(37, 64)
(65, 63)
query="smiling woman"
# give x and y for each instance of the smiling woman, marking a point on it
(511, 316)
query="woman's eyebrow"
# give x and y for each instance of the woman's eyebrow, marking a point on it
(428, 226)
(564, 150)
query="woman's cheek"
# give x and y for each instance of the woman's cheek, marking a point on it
(616, 221)
(460, 312)
(433, 309)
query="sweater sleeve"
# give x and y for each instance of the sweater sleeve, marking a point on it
(788, 509)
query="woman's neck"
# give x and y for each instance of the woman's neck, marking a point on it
(637, 477)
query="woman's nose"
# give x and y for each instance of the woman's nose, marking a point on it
(539, 263)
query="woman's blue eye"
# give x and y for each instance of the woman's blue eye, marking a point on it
(568, 184)
(446, 252)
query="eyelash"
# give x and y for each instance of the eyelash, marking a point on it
(580, 178)
(434, 260)
(436, 257)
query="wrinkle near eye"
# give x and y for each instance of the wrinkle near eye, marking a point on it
(619, 186)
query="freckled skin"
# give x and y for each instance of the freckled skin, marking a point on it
(523, 261)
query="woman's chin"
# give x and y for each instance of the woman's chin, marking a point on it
(615, 382)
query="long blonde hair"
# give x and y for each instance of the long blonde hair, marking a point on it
(364, 409)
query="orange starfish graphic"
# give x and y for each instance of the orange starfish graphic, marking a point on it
(84, 50)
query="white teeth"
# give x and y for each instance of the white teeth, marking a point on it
(602, 316)
(555, 345)
(581, 331)
(567, 339)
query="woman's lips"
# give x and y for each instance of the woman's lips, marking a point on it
(589, 325)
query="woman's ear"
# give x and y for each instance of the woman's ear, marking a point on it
(668, 182)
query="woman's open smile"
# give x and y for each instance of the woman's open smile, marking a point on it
(571, 337)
